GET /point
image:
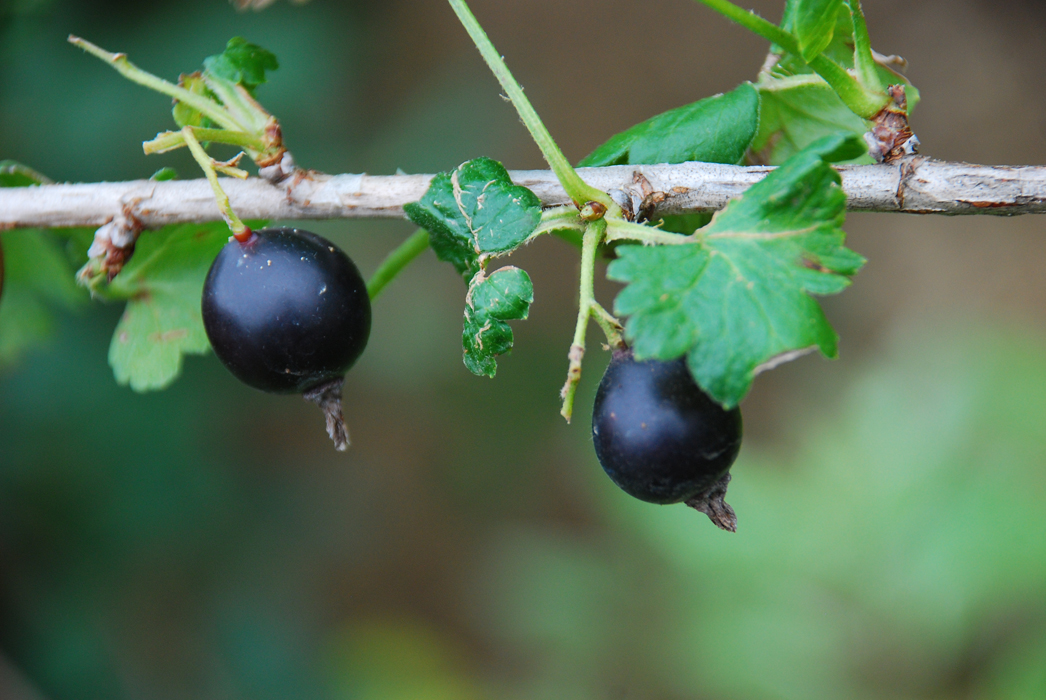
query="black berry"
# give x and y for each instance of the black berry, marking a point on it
(287, 311)
(662, 439)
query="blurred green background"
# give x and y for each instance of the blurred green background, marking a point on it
(206, 542)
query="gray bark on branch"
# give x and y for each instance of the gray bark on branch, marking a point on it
(915, 185)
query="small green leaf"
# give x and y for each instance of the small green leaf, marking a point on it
(163, 283)
(714, 130)
(474, 211)
(814, 22)
(14, 174)
(738, 299)
(242, 62)
(164, 174)
(503, 296)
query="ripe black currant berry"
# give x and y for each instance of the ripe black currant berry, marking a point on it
(287, 311)
(662, 439)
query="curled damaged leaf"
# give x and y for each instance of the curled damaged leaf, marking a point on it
(473, 212)
(491, 301)
(737, 300)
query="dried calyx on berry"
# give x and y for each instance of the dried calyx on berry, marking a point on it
(287, 311)
(662, 439)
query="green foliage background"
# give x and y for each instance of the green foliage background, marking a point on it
(207, 542)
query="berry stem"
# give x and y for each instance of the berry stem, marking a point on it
(396, 261)
(124, 67)
(578, 190)
(238, 228)
(594, 233)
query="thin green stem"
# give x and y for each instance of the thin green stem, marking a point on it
(612, 328)
(864, 61)
(396, 261)
(578, 190)
(135, 74)
(171, 140)
(863, 102)
(756, 24)
(619, 229)
(594, 234)
(238, 228)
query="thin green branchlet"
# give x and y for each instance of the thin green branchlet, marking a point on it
(580, 192)
(204, 105)
(588, 307)
(621, 230)
(172, 140)
(394, 263)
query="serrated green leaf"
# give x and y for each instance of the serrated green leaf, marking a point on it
(37, 279)
(738, 299)
(14, 174)
(814, 22)
(163, 283)
(503, 296)
(242, 62)
(714, 130)
(475, 210)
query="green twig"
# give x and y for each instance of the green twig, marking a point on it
(578, 190)
(594, 233)
(171, 140)
(124, 67)
(238, 227)
(559, 219)
(756, 24)
(395, 261)
(619, 229)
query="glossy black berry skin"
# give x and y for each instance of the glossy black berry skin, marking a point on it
(286, 311)
(657, 435)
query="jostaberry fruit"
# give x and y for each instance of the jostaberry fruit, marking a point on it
(662, 439)
(287, 311)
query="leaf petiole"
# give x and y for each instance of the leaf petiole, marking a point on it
(394, 263)
(621, 230)
(172, 140)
